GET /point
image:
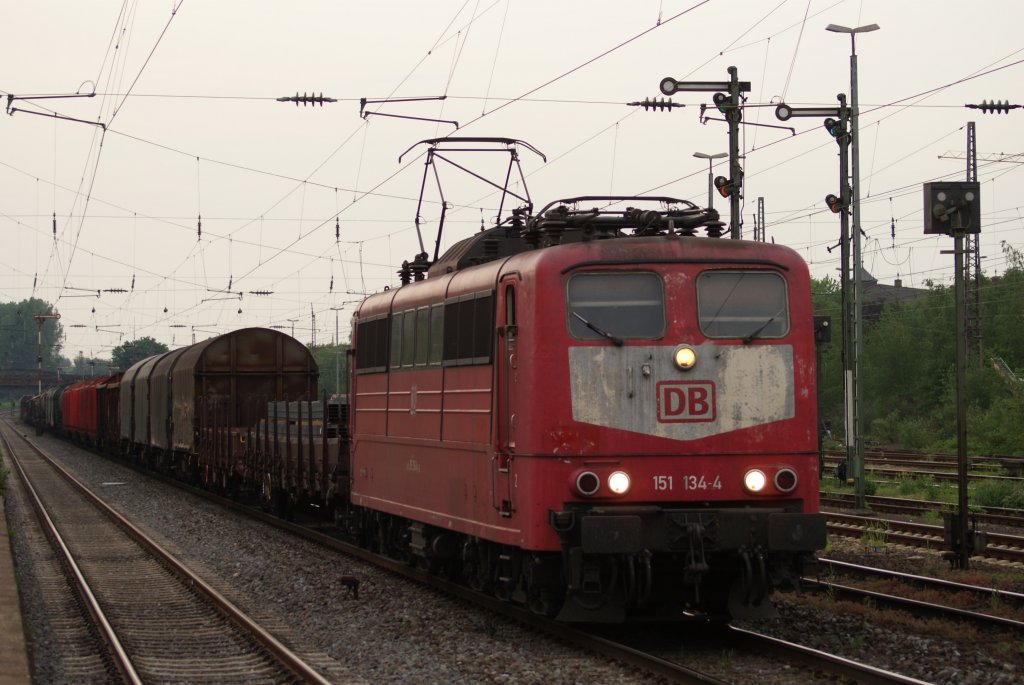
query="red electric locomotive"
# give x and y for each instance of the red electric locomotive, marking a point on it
(596, 412)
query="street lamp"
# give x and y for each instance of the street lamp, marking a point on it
(853, 387)
(711, 160)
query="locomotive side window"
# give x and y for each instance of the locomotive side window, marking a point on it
(436, 334)
(417, 337)
(615, 304)
(409, 338)
(422, 335)
(468, 329)
(742, 304)
(396, 339)
(372, 345)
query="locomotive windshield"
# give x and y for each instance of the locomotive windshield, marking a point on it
(742, 304)
(615, 304)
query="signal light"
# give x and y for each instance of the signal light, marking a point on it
(834, 203)
(721, 101)
(834, 127)
(822, 329)
(724, 186)
(951, 207)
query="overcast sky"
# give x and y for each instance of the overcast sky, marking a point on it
(187, 91)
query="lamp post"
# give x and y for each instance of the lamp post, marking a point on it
(711, 160)
(853, 384)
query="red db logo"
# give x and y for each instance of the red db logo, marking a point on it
(686, 401)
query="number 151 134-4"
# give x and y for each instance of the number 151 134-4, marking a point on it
(687, 482)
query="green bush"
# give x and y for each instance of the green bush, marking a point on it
(998, 493)
(909, 432)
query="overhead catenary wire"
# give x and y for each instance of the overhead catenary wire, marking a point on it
(266, 242)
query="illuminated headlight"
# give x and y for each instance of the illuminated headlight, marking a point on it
(618, 482)
(754, 480)
(684, 357)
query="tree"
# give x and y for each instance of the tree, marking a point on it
(19, 335)
(86, 366)
(333, 363)
(123, 356)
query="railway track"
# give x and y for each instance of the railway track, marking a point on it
(664, 665)
(157, 621)
(898, 585)
(1000, 545)
(891, 463)
(892, 472)
(672, 667)
(914, 507)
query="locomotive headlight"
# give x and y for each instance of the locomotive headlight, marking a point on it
(684, 357)
(587, 483)
(786, 480)
(618, 482)
(754, 480)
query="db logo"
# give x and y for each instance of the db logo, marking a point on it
(686, 401)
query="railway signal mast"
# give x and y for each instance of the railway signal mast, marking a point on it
(729, 106)
(837, 124)
(953, 208)
(40, 318)
(854, 387)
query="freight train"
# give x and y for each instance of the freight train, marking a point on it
(590, 410)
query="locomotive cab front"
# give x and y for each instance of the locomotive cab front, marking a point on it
(674, 443)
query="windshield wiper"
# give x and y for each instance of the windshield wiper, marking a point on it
(604, 334)
(746, 340)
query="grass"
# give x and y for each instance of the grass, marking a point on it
(3, 480)
(875, 535)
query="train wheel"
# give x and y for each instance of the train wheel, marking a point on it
(371, 535)
(476, 571)
(266, 492)
(541, 581)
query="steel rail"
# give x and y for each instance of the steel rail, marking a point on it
(894, 505)
(939, 583)
(850, 669)
(288, 658)
(917, 605)
(1000, 546)
(118, 654)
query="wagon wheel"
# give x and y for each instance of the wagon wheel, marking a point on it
(266, 492)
